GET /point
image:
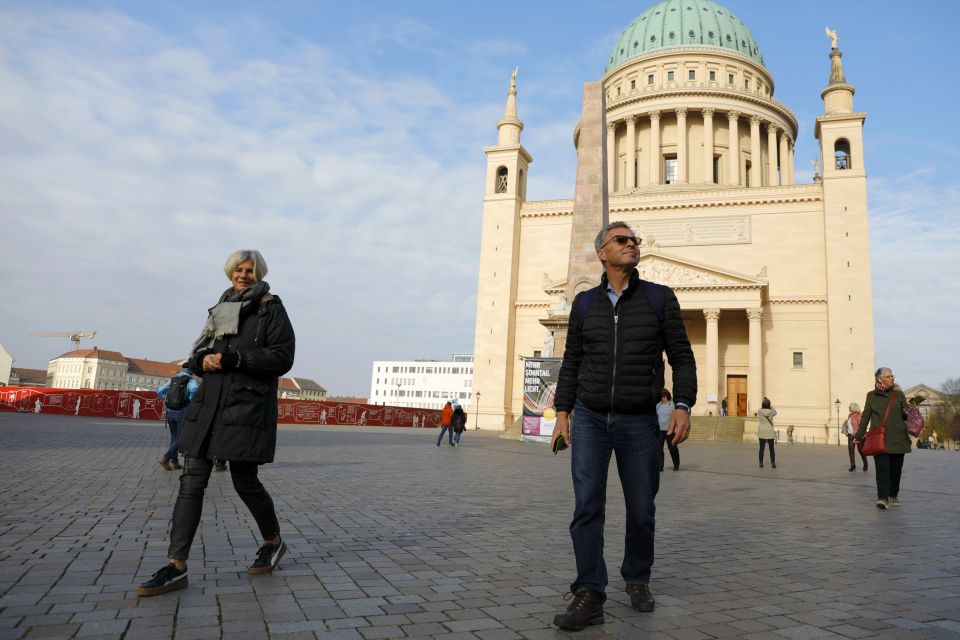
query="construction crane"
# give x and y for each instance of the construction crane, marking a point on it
(74, 336)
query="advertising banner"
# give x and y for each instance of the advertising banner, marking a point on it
(145, 405)
(540, 377)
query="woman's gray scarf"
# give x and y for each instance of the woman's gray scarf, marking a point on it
(224, 318)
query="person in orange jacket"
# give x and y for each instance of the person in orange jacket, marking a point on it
(445, 415)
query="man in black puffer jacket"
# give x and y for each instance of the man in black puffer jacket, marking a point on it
(611, 379)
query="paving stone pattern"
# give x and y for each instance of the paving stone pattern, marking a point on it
(390, 536)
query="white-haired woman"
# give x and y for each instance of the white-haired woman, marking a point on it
(850, 425)
(246, 344)
(886, 407)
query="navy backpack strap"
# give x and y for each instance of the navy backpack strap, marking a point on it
(583, 302)
(654, 294)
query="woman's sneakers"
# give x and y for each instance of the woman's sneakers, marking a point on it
(881, 504)
(167, 579)
(268, 557)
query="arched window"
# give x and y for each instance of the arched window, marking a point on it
(501, 180)
(841, 152)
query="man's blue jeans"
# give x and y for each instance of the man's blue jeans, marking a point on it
(175, 422)
(633, 438)
(444, 429)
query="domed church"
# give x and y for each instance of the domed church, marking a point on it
(691, 148)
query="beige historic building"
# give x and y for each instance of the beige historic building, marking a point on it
(773, 277)
(102, 369)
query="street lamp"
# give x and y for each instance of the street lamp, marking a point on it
(837, 405)
(399, 384)
(476, 422)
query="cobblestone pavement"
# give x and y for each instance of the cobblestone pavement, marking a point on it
(391, 536)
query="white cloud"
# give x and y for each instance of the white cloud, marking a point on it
(127, 179)
(914, 237)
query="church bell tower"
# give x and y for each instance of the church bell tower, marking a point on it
(494, 349)
(846, 238)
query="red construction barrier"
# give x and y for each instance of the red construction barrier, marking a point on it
(145, 405)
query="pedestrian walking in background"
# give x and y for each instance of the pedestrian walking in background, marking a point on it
(765, 431)
(664, 410)
(610, 379)
(458, 422)
(886, 408)
(446, 414)
(723, 407)
(176, 393)
(850, 426)
(246, 344)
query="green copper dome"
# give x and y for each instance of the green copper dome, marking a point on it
(684, 23)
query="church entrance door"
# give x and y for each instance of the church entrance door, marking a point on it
(737, 395)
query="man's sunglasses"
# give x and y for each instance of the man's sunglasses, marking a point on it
(622, 241)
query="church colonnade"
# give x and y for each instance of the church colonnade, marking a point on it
(779, 147)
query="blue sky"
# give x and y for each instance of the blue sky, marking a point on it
(140, 143)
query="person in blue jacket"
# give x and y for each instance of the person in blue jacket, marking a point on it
(184, 386)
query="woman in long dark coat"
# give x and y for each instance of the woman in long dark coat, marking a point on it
(888, 465)
(246, 344)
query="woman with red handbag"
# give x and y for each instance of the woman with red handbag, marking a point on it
(850, 426)
(886, 409)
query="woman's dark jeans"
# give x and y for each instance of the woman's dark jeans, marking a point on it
(889, 467)
(193, 483)
(633, 439)
(674, 449)
(773, 453)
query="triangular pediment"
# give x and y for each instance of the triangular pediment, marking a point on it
(680, 273)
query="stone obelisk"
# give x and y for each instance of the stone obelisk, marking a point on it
(591, 209)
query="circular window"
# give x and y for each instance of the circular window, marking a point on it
(691, 34)
(710, 34)
(621, 51)
(729, 38)
(635, 44)
(672, 35)
(653, 38)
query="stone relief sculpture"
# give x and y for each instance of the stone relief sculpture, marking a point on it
(564, 307)
(816, 166)
(674, 274)
(739, 229)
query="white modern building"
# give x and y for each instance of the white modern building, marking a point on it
(427, 384)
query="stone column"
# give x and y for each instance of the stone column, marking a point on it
(733, 161)
(655, 160)
(772, 153)
(790, 163)
(784, 174)
(631, 177)
(755, 379)
(712, 317)
(755, 151)
(708, 144)
(612, 156)
(682, 145)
